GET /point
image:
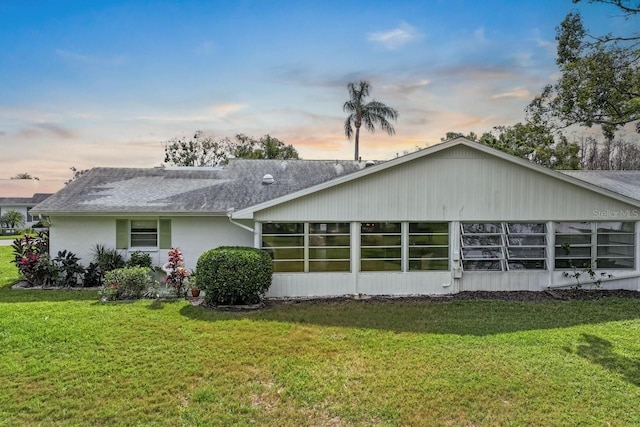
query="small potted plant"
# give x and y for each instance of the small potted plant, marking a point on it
(195, 291)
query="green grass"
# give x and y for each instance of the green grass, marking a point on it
(66, 359)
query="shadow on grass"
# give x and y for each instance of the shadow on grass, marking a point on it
(8, 295)
(600, 351)
(456, 317)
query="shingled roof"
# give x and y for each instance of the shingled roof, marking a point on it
(626, 183)
(190, 190)
(24, 201)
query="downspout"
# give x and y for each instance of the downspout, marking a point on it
(229, 213)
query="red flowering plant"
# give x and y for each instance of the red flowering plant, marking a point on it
(176, 273)
(30, 253)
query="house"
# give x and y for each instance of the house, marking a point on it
(455, 216)
(23, 205)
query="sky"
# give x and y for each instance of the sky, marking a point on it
(103, 83)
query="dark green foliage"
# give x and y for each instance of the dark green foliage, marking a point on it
(234, 275)
(126, 283)
(92, 276)
(69, 269)
(107, 259)
(31, 256)
(139, 259)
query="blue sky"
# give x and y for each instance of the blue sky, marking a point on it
(103, 83)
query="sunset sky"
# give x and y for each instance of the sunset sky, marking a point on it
(103, 83)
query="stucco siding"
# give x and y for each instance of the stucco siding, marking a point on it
(193, 235)
(455, 184)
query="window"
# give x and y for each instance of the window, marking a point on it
(330, 246)
(482, 246)
(497, 246)
(526, 246)
(428, 246)
(29, 217)
(144, 233)
(285, 243)
(597, 245)
(381, 246)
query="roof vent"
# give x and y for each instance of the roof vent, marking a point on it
(267, 179)
(369, 163)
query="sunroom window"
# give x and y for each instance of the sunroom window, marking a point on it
(381, 246)
(428, 246)
(285, 242)
(330, 246)
(600, 245)
(503, 246)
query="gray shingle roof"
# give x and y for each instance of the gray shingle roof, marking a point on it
(190, 190)
(626, 183)
(23, 201)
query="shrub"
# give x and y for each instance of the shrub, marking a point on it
(126, 283)
(30, 255)
(234, 275)
(92, 276)
(176, 273)
(139, 259)
(107, 259)
(69, 269)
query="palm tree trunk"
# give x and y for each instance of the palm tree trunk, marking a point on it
(357, 143)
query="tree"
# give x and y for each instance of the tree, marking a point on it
(76, 173)
(12, 219)
(25, 175)
(267, 147)
(600, 77)
(371, 114)
(200, 150)
(451, 135)
(534, 142)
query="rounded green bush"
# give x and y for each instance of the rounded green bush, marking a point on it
(234, 275)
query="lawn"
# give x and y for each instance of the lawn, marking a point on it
(66, 359)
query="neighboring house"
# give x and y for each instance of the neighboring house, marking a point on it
(22, 205)
(455, 216)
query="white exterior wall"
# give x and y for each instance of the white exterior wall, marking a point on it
(457, 184)
(193, 235)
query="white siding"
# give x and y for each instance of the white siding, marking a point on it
(456, 184)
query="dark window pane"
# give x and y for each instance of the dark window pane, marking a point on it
(516, 240)
(330, 228)
(278, 241)
(573, 251)
(525, 252)
(380, 227)
(482, 227)
(282, 228)
(288, 266)
(428, 252)
(482, 265)
(572, 263)
(573, 239)
(482, 253)
(616, 251)
(286, 253)
(526, 228)
(380, 253)
(329, 266)
(573, 227)
(613, 227)
(624, 239)
(329, 253)
(616, 263)
(380, 240)
(527, 265)
(315, 240)
(470, 240)
(437, 239)
(429, 227)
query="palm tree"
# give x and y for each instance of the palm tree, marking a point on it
(371, 114)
